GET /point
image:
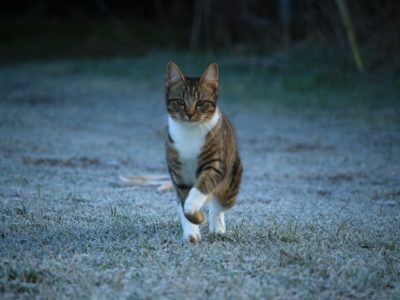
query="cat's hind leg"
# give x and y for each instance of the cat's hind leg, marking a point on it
(191, 232)
(217, 216)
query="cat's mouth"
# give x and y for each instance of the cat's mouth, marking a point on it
(185, 120)
(190, 122)
(190, 119)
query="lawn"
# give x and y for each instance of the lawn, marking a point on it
(318, 216)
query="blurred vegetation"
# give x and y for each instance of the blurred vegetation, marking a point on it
(103, 28)
(31, 38)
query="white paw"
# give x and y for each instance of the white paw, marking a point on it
(218, 226)
(192, 236)
(194, 201)
(191, 232)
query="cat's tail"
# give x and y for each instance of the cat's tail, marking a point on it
(162, 182)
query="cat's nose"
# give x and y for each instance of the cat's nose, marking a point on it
(190, 114)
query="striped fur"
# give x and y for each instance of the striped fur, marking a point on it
(202, 152)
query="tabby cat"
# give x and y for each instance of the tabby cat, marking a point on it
(202, 153)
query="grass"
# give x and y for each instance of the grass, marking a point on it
(309, 81)
(107, 254)
(70, 127)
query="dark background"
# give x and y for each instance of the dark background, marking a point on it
(101, 28)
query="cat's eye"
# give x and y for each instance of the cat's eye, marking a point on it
(200, 103)
(180, 102)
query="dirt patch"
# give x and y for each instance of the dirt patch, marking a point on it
(73, 162)
(303, 147)
(341, 177)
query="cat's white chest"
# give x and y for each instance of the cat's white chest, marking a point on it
(188, 141)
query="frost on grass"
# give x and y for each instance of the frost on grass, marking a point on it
(317, 217)
(120, 254)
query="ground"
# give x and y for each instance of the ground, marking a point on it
(318, 215)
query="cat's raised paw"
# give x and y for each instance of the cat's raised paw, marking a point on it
(194, 202)
(196, 218)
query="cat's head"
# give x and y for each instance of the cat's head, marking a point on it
(191, 99)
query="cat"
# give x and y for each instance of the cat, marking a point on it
(202, 152)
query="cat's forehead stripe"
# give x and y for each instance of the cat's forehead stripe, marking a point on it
(190, 89)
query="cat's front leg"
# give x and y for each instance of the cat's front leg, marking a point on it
(191, 232)
(206, 183)
(194, 202)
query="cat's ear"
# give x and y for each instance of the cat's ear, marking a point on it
(210, 77)
(174, 74)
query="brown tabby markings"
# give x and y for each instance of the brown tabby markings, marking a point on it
(219, 168)
(189, 101)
